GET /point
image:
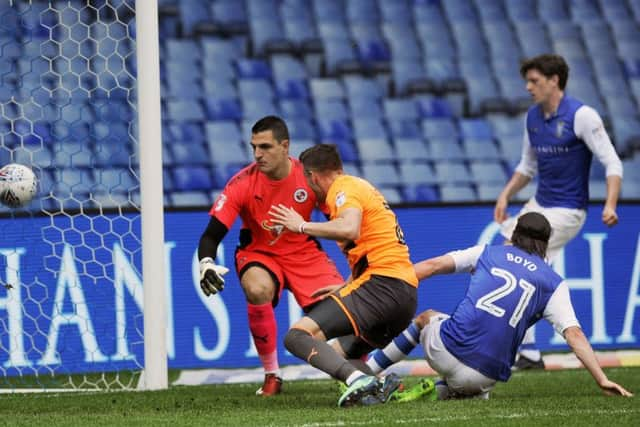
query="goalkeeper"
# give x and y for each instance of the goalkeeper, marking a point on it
(269, 258)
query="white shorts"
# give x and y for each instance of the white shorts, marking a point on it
(565, 224)
(461, 379)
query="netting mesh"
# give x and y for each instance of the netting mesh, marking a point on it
(70, 312)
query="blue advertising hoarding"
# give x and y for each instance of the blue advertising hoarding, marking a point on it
(76, 308)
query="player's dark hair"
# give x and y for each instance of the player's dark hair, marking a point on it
(549, 65)
(321, 157)
(273, 123)
(532, 234)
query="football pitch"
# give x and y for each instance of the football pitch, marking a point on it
(567, 398)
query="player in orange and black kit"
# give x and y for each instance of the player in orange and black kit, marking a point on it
(380, 298)
(269, 257)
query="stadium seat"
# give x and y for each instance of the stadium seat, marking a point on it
(72, 154)
(440, 128)
(222, 109)
(487, 172)
(381, 174)
(185, 110)
(489, 192)
(223, 131)
(417, 172)
(189, 154)
(400, 109)
(373, 149)
(229, 17)
(301, 128)
(369, 128)
(391, 194)
(480, 149)
(420, 193)
(192, 178)
(298, 108)
(457, 193)
(452, 172)
(249, 68)
(297, 146)
(400, 128)
(190, 199)
(331, 108)
(113, 180)
(365, 107)
(446, 149)
(334, 130)
(411, 149)
(359, 87)
(326, 88)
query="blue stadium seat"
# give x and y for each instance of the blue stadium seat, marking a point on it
(489, 192)
(303, 33)
(190, 199)
(297, 146)
(368, 128)
(333, 130)
(192, 178)
(267, 34)
(381, 174)
(475, 128)
(445, 149)
(488, 172)
(331, 108)
(326, 88)
(402, 41)
(365, 107)
(189, 154)
(223, 108)
(222, 132)
(400, 108)
(420, 193)
(347, 150)
(256, 107)
(452, 172)
(374, 150)
(194, 15)
(532, 46)
(480, 149)
(219, 88)
(219, 50)
(552, 10)
(359, 87)
(511, 148)
(433, 107)
(457, 193)
(299, 108)
(400, 128)
(409, 76)
(395, 11)
(185, 110)
(626, 132)
(301, 128)
(229, 16)
(391, 194)
(413, 173)
(439, 128)
(249, 68)
(340, 56)
(411, 149)
(38, 155)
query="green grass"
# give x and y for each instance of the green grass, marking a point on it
(566, 398)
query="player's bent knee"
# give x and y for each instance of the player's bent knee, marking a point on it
(292, 339)
(424, 318)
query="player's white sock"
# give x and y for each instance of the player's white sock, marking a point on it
(528, 347)
(354, 376)
(396, 350)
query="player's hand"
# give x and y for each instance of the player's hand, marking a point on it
(609, 216)
(500, 211)
(612, 389)
(211, 276)
(324, 292)
(287, 217)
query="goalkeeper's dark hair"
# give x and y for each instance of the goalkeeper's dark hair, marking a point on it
(321, 158)
(549, 65)
(273, 123)
(532, 234)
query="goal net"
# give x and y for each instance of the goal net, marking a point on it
(71, 261)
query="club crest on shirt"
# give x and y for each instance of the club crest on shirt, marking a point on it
(340, 199)
(300, 195)
(559, 128)
(220, 202)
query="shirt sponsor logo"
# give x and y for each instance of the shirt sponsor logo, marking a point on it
(220, 202)
(274, 229)
(300, 195)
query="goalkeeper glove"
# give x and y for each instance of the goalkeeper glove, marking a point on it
(211, 281)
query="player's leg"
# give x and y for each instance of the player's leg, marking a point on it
(458, 380)
(261, 280)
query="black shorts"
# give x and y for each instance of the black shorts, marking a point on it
(377, 311)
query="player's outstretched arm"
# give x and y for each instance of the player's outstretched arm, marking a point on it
(583, 350)
(443, 264)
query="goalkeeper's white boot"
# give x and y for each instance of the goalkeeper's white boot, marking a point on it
(272, 385)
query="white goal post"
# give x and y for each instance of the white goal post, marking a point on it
(83, 301)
